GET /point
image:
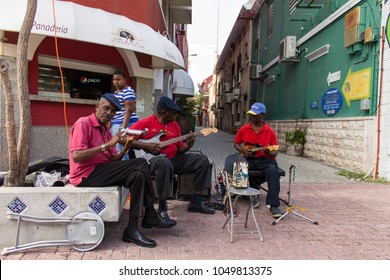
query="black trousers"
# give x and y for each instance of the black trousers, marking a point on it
(182, 164)
(270, 167)
(132, 174)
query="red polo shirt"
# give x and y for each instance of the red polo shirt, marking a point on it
(87, 133)
(171, 130)
(265, 137)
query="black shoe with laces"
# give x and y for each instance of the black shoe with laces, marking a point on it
(200, 208)
(275, 212)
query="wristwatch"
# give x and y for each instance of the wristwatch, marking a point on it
(103, 147)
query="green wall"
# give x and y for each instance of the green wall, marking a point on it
(299, 85)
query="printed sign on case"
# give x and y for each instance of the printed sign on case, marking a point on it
(331, 102)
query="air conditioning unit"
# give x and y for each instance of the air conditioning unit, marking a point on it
(255, 71)
(228, 97)
(288, 49)
(227, 87)
(236, 93)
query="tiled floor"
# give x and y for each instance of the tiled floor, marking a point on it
(354, 222)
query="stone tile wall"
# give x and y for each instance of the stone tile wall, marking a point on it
(348, 143)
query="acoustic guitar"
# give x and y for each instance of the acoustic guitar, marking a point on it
(254, 149)
(156, 139)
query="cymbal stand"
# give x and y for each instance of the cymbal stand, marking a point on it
(290, 208)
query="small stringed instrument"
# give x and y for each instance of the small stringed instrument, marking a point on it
(255, 149)
(156, 139)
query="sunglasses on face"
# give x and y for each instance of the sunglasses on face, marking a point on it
(171, 112)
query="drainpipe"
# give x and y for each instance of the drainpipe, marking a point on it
(375, 175)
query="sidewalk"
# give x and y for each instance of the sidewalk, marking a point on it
(354, 222)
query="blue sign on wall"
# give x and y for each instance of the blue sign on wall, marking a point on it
(331, 102)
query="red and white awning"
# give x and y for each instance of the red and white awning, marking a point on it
(81, 23)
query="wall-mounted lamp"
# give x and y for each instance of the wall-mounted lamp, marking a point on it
(318, 53)
(270, 79)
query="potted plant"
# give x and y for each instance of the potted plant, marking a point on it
(185, 117)
(295, 140)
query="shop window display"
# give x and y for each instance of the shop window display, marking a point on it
(88, 85)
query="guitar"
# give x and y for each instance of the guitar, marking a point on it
(255, 149)
(156, 139)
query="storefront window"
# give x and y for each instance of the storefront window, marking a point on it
(77, 83)
(49, 81)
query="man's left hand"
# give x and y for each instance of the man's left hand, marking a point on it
(271, 153)
(190, 139)
(128, 140)
(123, 139)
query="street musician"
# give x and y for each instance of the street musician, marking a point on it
(257, 142)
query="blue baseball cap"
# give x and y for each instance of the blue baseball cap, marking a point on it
(257, 108)
(113, 100)
(167, 103)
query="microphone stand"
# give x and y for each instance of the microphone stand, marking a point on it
(290, 208)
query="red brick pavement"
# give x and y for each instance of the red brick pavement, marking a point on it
(354, 223)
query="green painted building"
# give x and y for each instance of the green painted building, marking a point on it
(315, 65)
(320, 59)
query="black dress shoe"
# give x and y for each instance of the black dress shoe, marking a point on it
(166, 218)
(157, 221)
(199, 208)
(138, 238)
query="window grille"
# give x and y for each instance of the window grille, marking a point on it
(293, 5)
(270, 19)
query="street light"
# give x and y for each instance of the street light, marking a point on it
(187, 60)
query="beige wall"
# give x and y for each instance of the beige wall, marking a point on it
(384, 153)
(343, 142)
(145, 98)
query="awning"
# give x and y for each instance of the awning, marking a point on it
(81, 23)
(182, 83)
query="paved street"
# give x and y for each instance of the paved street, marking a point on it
(353, 217)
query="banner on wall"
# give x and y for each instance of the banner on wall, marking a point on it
(357, 85)
(331, 102)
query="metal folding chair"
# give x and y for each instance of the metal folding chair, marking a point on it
(84, 231)
(237, 193)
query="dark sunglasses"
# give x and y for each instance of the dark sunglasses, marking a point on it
(171, 112)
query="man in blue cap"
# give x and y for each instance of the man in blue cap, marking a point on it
(258, 135)
(163, 127)
(95, 162)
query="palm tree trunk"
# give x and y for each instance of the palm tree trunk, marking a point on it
(9, 124)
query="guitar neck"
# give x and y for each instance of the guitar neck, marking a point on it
(271, 148)
(258, 149)
(175, 140)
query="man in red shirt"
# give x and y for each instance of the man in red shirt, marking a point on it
(257, 134)
(95, 162)
(174, 161)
